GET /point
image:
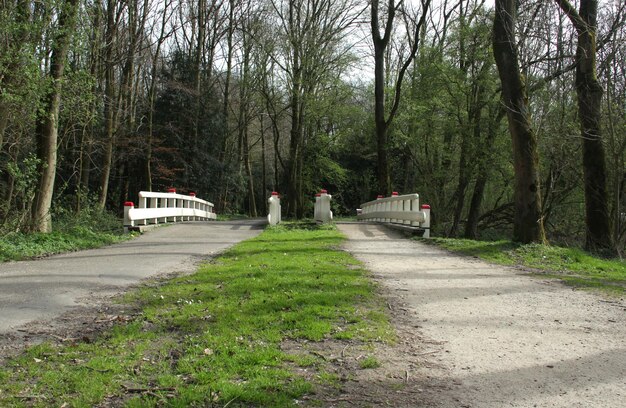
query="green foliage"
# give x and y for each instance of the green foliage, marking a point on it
(24, 177)
(448, 132)
(90, 228)
(572, 265)
(19, 246)
(78, 100)
(186, 152)
(214, 338)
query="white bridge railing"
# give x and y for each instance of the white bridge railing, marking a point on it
(274, 214)
(397, 209)
(322, 212)
(158, 208)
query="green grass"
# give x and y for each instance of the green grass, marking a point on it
(574, 266)
(369, 362)
(20, 246)
(232, 217)
(214, 338)
(71, 232)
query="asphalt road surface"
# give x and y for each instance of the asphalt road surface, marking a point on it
(44, 289)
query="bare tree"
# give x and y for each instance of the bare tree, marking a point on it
(381, 42)
(166, 15)
(316, 43)
(113, 15)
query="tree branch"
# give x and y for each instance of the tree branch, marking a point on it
(572, 14)
(407, 63)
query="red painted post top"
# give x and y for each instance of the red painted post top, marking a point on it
(129, 204)
(425, 206)
(322, 191)
(192, 194)
(395, 193)
(380, 196)
(171, 190)
(318, 195)
(274, 193)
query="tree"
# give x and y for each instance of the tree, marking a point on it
(383, 119)
(528, 222)
(163, 35)
(47, 123)
(316, 42)
(589, 91)
(112, 20)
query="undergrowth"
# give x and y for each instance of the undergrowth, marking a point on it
(71, 232)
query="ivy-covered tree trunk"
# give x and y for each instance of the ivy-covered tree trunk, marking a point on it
(528, 222)
(48, 120)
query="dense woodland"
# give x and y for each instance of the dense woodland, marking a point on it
(509, 120)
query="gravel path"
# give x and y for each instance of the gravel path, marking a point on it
(502, 338)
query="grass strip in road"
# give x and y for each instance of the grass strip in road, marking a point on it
(216, 338)
(573, 266)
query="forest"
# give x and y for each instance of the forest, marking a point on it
(507, 117)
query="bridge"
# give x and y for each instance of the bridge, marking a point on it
(494, 334)
(40, 290)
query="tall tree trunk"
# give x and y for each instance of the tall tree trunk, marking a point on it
(197, 80)
(88, 131)
(291, 173)
(473, 214)
(263, 168)
(248, 168)
(528, 222)
(589, 92)
(244, 120)
(48, 121)
(109, 104)
(152, 96)
(226, 109)
(382, 120)
(4, 121)
(461, 188)
(382, 129)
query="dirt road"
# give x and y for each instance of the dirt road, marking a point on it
(478, 335)
(42, 290)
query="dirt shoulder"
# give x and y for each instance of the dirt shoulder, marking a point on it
(477, 335)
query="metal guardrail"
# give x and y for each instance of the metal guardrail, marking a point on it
(159, 208)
